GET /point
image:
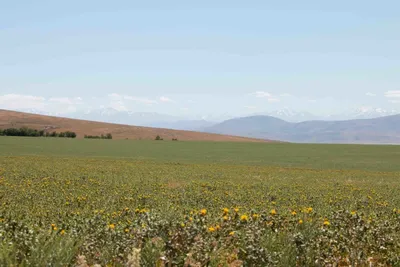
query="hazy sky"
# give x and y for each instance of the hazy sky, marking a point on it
(199, 57)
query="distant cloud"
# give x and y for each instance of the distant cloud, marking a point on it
(392, 94)
(370, 94)
(29, 102)
(16, 101)
(261, 94)
(250, 107)
(268, 96)
(285, 95)
(273, 99)
(142, 100)
(66, 100)
(165, 99)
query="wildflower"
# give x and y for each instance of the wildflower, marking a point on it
(236, 210)
(126, 230)
(244, 218)
(232, 233)
(111, 226)
(62, 232)
(225, 218)
(326, 222)
(353, 213)
(309, 210)
(294, 213)
(226, 211)
(190, 219)
(203, 212)
(182, 225)
(211, 229)
(273, 212)
(217, 227)
(255, 216)
(300, 221)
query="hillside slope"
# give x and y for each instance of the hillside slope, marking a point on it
(14, 119)
(383, 130)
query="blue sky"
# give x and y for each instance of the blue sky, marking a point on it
(182, 57)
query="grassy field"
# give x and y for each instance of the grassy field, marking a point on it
(132, 203)
(356, 157)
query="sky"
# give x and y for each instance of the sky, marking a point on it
(199, 57)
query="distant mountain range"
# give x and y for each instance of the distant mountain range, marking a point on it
(356, 113)
(153, 119)
(382, 130)
(361, 125)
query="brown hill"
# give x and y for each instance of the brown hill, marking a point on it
(13, 119)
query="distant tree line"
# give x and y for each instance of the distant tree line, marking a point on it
(107, 136)
(24, 131)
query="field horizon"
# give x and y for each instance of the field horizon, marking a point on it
(312, 156)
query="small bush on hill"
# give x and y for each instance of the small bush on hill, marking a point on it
(102, 136)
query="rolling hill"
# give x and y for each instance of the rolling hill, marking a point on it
(383, 130)
(13, 119)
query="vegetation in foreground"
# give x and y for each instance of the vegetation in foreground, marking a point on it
(58, 211)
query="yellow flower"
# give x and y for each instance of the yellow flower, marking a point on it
(309, 210)
(55, 228)
(217, 227)
(232, 233)
(225, 218)
(244, 218)
(255, 216)
(126, 209)
(62, 232)
(273, 212)
(203, 212)
(226, 211)
(300, 221)
(211, 229)
(126, 230)
(294, 213)
(353, 212)
(236, 210)
(326, 222)
(190, 219)
(182, 225)
(111, 226)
